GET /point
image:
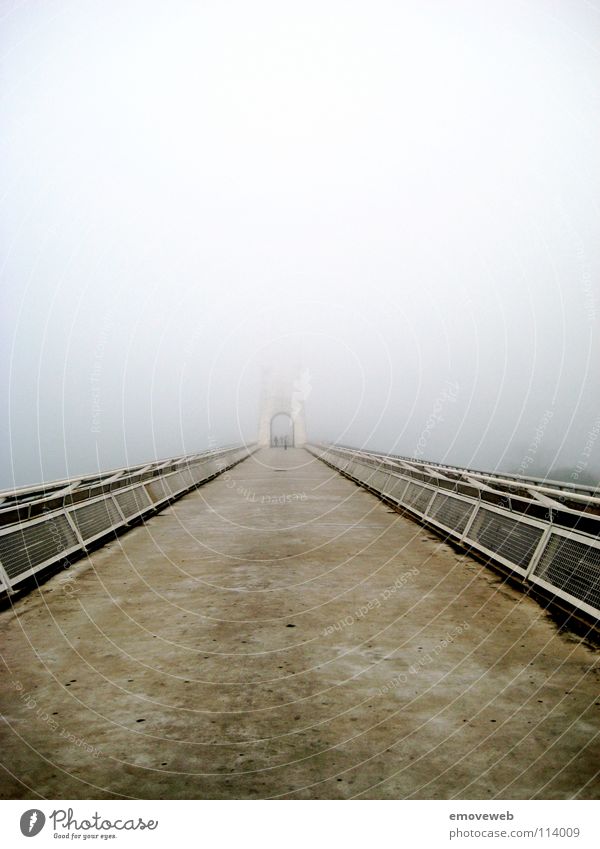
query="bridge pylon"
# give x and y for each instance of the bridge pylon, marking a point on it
(283, 393)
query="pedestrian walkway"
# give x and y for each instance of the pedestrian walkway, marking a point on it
(280, 632)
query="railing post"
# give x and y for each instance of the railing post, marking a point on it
(6, 580)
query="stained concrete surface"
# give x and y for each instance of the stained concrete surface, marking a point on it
(280, 632)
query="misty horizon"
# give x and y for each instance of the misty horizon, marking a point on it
(401, 204)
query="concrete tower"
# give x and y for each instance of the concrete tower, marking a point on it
(284, 394)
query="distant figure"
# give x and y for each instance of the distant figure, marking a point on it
(275, 441)
(285, 443)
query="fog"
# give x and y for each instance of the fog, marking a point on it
(399, 197)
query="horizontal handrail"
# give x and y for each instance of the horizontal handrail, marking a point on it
(38, 532)
(551, 544)
(566, 486)
(511, 485)
(49, 487)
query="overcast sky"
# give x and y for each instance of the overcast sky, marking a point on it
(403, 196)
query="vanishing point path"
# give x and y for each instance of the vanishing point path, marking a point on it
(280, 632)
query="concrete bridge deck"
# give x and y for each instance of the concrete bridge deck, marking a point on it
(280, 632)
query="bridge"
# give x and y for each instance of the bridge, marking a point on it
(251, 623)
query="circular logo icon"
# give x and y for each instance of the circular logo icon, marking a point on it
(32, 822)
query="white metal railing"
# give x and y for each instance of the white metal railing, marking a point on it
(543, 535)
(46, 524)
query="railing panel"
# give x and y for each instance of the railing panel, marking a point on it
(158, 490)
(178, 482)
(26, 548)
(514, 532)
(95, 519)
(133, 502)
(505, 537)
(570, 565)
(199, 472)
(397, 487)
(29, 545)
(417, 497)
(376, 479)
(451, 513)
